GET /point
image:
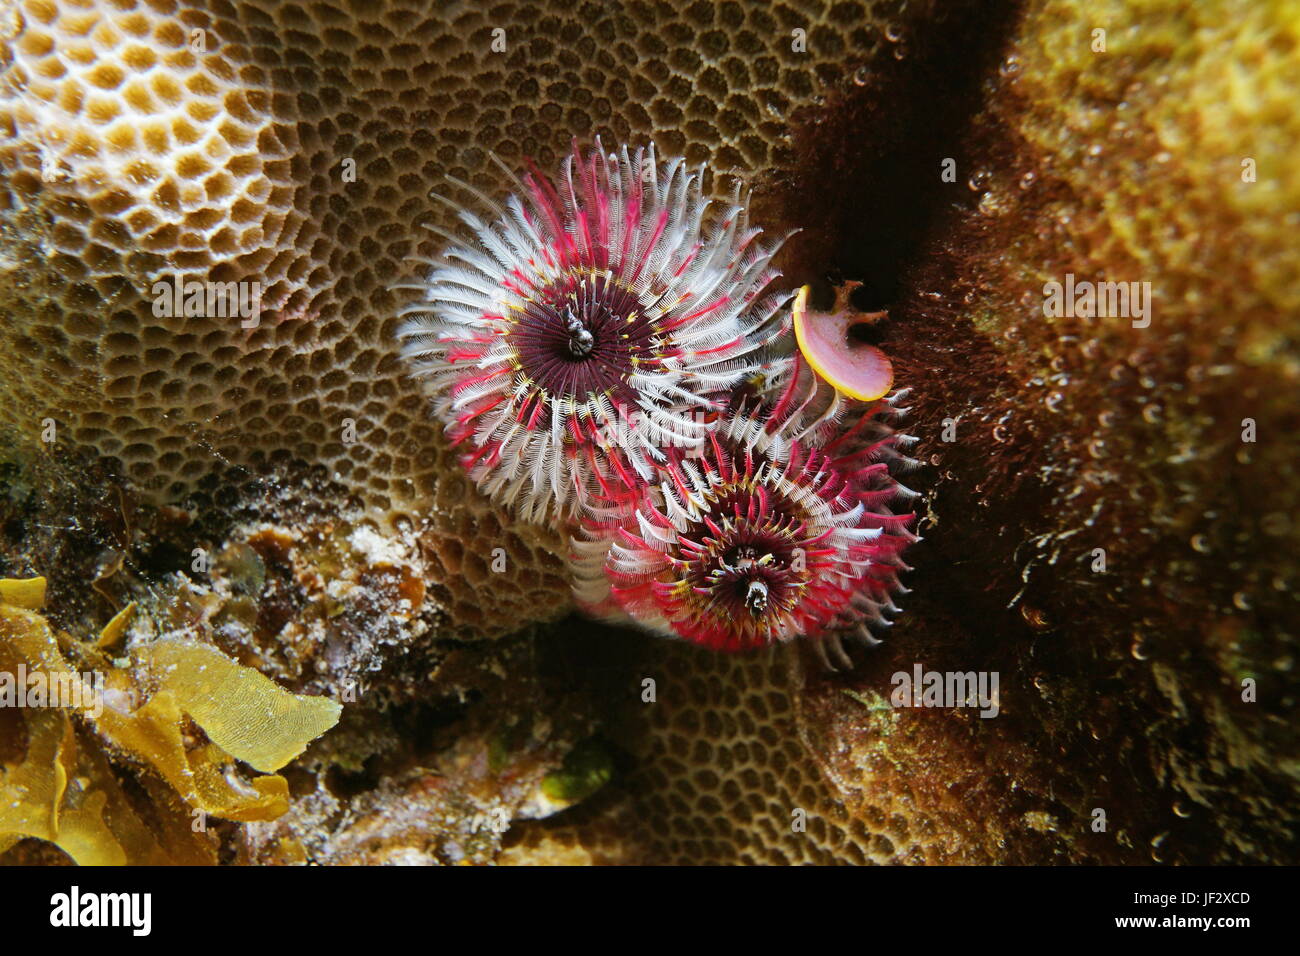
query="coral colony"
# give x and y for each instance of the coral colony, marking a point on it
(604, 351)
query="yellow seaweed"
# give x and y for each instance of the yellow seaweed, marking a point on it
(26, 593)
(63, 789)
(115, 628)
(244, 712)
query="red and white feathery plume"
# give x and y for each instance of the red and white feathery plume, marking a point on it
(589, 325)
(763, 536)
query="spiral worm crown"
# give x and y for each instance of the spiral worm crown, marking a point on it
(590, 325)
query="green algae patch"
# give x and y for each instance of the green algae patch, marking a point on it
(586, 768)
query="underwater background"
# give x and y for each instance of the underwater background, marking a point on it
(312, 637)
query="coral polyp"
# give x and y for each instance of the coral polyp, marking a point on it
(762, 537)
(590, 324)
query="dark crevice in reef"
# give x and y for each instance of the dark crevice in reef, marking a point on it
(866, 188)
(889, 229)
(920, 249)
(1091, 720)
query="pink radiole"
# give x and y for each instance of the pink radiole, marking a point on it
(764, 536)
(589, 326)
(604, 352)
